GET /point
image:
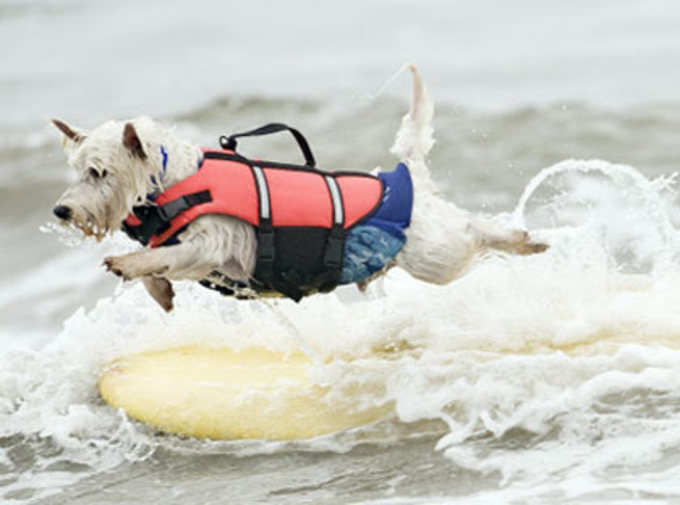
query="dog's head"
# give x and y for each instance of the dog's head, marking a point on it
(113, 173)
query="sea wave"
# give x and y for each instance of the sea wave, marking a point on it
(559, 357)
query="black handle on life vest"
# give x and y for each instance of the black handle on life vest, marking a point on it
(230, 141)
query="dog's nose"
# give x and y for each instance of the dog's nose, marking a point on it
(62, 212)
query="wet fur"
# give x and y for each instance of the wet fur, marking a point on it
(118, 162)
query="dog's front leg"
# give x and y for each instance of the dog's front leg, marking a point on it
(181, 261)
(156, 266)
(160, 290)
(138, 264)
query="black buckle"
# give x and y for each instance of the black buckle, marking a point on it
(150, 224)
(168, 211)
(171, 209)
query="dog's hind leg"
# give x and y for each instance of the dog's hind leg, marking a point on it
(491, 236)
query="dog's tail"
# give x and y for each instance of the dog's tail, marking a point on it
(414, 138)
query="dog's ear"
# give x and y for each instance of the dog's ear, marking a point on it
(70, 133)
(132, 142)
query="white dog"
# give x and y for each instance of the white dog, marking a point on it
(123, 166)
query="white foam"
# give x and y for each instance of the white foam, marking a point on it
(563, 353)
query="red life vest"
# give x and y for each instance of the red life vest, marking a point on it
(297, 197)
(301, 216)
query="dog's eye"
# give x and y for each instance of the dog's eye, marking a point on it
(92, 172)
(104, 172)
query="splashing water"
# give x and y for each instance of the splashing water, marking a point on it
(563, 358)
(616, 203)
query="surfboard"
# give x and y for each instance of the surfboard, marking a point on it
(223, 394)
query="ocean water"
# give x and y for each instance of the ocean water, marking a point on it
(544, 379)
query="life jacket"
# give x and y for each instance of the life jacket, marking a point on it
(301, 214)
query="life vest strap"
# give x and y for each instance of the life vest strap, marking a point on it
(155, 219)
(335, 244)
(168, 211)
(266, 253)
(229, 143)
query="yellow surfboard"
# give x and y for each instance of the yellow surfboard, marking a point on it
(224, 394)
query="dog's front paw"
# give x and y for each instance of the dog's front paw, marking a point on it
(133, 265)
(114, 265)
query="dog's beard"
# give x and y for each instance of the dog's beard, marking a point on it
(89, 224)
(95, 213)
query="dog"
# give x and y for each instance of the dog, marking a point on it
(124, 165)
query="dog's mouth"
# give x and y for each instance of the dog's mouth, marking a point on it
(88, 227)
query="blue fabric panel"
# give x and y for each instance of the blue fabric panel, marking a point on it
(394, 213)
(372, 244)
(367, 250)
